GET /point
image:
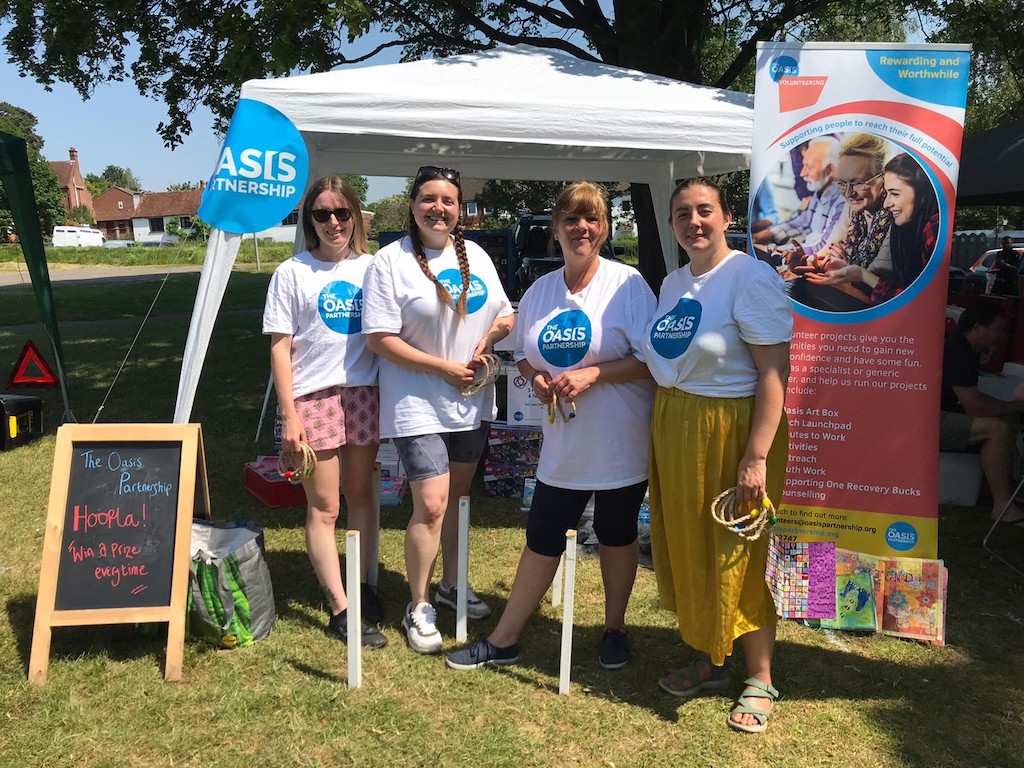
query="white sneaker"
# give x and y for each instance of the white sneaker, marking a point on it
(475, 607)
(420, 625)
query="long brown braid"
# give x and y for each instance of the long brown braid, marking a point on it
(460, 251)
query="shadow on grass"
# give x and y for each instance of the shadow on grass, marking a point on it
(116, 642)
(915, 705)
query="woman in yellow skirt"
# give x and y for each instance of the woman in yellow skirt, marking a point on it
(719, 350)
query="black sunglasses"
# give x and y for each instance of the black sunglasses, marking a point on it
(433, 171)
(323, 215)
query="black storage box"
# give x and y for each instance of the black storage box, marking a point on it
(22, 419)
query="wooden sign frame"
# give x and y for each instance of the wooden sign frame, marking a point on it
(192, 473)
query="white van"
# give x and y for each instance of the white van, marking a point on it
(77, 236)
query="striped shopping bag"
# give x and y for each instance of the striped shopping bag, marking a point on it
(231, 599)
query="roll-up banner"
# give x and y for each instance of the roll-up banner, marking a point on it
(853, 186)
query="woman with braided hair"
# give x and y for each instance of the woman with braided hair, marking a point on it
(433, 308)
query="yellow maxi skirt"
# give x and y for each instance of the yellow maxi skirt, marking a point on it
(710, 577)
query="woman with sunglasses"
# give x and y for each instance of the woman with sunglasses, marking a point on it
(326, 382)
(434, 307)
(579, 346)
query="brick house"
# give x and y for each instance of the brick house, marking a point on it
(472, 214)
(114, 211)
(157, 209)
(72, 183)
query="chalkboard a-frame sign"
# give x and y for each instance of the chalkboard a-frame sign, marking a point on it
(118, 528)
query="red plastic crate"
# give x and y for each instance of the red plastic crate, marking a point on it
(263, 481)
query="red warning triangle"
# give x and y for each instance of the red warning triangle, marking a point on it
(31, 370)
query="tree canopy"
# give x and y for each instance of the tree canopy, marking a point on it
(511, 197)
(193, 52)
(390, 214)
(121, 177)
(359, 183)
(49, 198)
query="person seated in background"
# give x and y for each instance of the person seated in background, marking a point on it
(809, 228)
(970, 418)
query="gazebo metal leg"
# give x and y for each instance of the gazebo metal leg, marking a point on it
(995, 524)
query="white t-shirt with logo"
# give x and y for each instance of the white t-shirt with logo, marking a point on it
(605, 445)
(319, 304)
(696, 341)
(400, 299)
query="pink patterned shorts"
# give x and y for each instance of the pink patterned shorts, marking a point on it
(339, 416)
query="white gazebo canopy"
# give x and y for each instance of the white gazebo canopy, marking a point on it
(509, 113)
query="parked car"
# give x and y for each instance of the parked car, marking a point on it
(159, 241)
(988, 258)
(962, 281)
(120, 244)
(532, 235)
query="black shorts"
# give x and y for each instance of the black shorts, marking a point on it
(557, 510)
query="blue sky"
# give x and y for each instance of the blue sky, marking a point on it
(118, 126)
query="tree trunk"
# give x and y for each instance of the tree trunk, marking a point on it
(652, 261)
(662, 37)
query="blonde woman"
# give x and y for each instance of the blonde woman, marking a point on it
(580, 331)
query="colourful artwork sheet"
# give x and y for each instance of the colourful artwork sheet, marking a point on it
(802, 578)
(914, 604)
(855, 603)
(848, 561)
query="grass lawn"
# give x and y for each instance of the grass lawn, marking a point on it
(847, 700)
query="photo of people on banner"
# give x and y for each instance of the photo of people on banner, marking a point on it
(858, 221)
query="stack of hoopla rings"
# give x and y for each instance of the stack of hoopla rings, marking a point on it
(749, 526)
(297, 466)
(491, 369)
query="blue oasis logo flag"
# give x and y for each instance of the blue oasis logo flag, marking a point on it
(261, 173)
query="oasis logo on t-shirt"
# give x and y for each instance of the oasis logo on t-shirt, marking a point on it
(673, 332)
(565, 338)
(477, 296)
(261, 172)
(341, 307)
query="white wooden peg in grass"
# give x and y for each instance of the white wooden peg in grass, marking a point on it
(567, 610)
(355, 610)
(462, 580)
